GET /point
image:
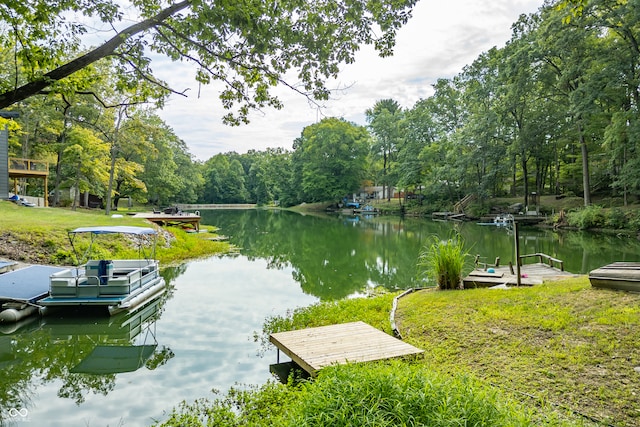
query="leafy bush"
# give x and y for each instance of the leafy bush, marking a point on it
(587, 217)
(444, 260)
(615, 219)
(634, 220)
(478, 209)
(254, 406)
(63, 257)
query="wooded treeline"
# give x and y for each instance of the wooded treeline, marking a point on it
(554, 111)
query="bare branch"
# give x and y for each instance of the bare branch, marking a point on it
(148, 78)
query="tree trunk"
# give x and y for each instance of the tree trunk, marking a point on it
(111, 177)
(557, 170)
(513, 177)
(56, 187)
(525, 182)
(61, 145)
(585, 166)
(76, 194)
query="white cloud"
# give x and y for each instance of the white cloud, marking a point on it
(440, 39)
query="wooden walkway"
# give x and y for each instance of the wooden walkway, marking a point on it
(315, 348)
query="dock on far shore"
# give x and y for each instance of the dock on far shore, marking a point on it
(180, 218)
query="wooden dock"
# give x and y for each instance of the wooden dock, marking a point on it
(624, 276)
(315, 348)
(171, 219)
(531, 274)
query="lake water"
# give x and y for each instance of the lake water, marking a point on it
(131, 369)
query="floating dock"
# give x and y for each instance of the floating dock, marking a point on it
(28, 284)
(21, 290)
(315, 348)
(624, 276)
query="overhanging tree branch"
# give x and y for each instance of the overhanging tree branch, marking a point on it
(25, 91)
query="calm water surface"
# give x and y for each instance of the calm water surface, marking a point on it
(129, 370)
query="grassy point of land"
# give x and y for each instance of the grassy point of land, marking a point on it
(565, 342)
(39, 236)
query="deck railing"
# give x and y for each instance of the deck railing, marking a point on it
(28, 165)
(544, 259)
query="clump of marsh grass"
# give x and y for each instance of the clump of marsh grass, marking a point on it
(444, 260)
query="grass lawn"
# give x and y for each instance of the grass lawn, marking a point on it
(563, 349)
(563, 343)
(39, 236)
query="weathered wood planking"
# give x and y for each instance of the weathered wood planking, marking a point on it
(315, 348)
(624, 276)
(535, 275)
(162, 218)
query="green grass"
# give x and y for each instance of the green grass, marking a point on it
(39, 235)
(562, 348)
(562, 342)
(382, 394)
(559, 354)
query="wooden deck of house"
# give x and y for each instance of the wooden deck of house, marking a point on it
(315, 348)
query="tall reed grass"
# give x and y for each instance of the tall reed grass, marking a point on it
(444, 261)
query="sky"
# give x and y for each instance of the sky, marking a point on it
(438, 41)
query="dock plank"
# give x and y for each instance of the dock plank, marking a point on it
(355, 342)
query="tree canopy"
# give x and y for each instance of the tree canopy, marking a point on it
(554, 111)
(330, 157)
(249, 46)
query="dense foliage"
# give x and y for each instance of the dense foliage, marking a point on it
(554, 111)
(248, 47)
